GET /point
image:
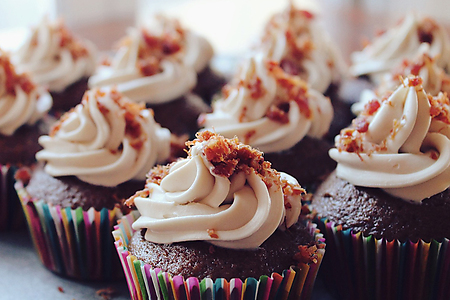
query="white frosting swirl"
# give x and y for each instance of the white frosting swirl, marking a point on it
(404, 151)
(54, 58)
(106, 140)
(401, 42)
(174, 80)
(434, 78)
(193, 203)
(320, 62)
(24, 104)
(244, 116)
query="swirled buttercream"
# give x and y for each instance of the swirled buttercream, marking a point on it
(296, 40)
(401, 145)
(106, 140)
(434, 78)
(268, 108)
(21, 101)
(157, 65)
(54, 57)
(401, 42)
(223, 193)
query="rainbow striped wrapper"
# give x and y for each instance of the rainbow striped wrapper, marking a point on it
(11, 214)
(72, 242)
(359, 267)
(145, 282)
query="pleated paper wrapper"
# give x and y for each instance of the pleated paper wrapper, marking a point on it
(146, 282)
(73, 242)
(359, 267)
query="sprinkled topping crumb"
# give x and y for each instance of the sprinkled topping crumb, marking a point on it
(68, 41)
(12, 79)
(440, 107)
(212, 233)
(307, 253)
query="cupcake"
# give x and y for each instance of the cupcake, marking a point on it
(160, 68)
(385, 208)
(23, 104)
(58, 60)
(296, 40)
(219, 222)
(401, 42)
(434, 78)
(95, 156)
(280, 115)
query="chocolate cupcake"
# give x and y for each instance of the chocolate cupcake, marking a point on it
(280, 115)
(224, 215)
(160, 68)
(95, 157)
(23, 104)
(385, 206)
(296, 40)
(58, 60)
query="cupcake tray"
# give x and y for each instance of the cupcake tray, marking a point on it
(22, 276)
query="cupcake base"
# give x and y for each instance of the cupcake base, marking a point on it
(146, 282)
(308, 161)
(63, 101)
(208, 84)
(180, 115)
(11, 214)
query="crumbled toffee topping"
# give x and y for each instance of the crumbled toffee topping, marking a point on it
(290, 88)
(131, 113)
(297, 35)
(425, 30)
(68, 41)
(290, 190)
(154, 48)
(12, 79)
(440, 107)
(308, 253)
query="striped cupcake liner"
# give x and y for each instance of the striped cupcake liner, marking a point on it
(359, 267)
(145, 282)
(72, 242)
(11, 214)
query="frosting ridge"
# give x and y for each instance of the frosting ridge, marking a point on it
(106, 140)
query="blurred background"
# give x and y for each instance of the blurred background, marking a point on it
(230, 25)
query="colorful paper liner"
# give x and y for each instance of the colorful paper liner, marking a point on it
(359, 267)
(73, 242)
(145, 282)
(11, 214)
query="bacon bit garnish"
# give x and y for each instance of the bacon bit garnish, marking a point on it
(349, 141)
(278, 114)
(107, 293)
(360, 124)
(228, 157)
(434, 155)
(371, 107)
(256, 88)
(149, 66)
(440, 106)
(307, 254)
(60, 289)
(12, 79)
(306, 14)
(415, 81)
(243, 114)
(426, 29)
(68, 41)
(416, 67)
(248, 136)
(23, 174)
(290, 190)
(139, 194)
(212, 233)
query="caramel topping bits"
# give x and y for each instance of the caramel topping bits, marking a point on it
(229, 156)
(212, 233)
(68, 41)
(307, 254)
(290, 190)
(440, 107)
(12, 79)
